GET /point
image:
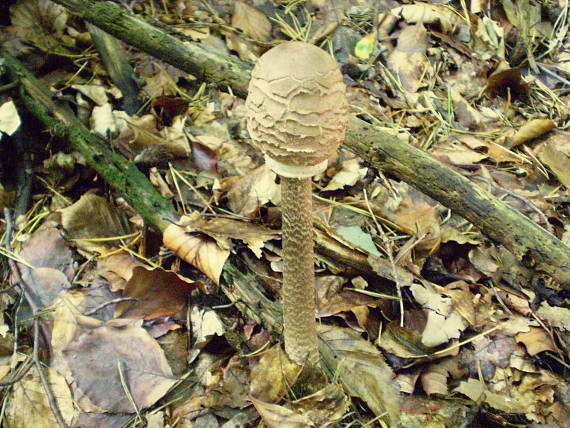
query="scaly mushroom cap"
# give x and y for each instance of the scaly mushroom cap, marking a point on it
(296, 108)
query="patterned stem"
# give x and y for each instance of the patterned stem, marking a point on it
(298, 290)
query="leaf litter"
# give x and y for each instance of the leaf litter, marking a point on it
(424, 321)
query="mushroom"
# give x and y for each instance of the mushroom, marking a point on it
(297, 116)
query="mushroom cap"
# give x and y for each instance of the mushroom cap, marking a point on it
(296, 108)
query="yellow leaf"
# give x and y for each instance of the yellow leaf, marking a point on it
(365, 46)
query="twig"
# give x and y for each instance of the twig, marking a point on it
(390, 253)
(110, 302)
(49, 394)
(36, 327)
(17, 377)
(120, 365)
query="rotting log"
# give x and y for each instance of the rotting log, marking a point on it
(530, 243)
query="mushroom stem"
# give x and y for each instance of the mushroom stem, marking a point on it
(298, 290)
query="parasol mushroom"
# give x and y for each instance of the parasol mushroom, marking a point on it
(297, 115)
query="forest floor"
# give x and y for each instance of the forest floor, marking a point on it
(426, 319)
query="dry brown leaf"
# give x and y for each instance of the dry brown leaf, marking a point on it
(206, 324)
(348, 175)
(558, 162)
(28, 405)
(89, 219)
(96, 357)
(495, 151)
(197, 249)
(465, 114)
(46, 248)
(117, 269)
(157, 292)
(462, 299)
(272, 375)
(456, 154)
(419, 218)
(525, 398)
(434, 378)
(407, 380)
(362, 370)
(536, 340)
(251, 21)
(444, 320)
(275, 416)
(223, 229)
(408, 61)
(41, 22)
(555, 315)
(248, 193)
(324, 407)
(531, 130)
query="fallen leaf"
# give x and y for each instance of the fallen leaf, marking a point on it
(555, 315)
(157, 292)
(117, 359)
(29, 407)
(365, 46)
(206, 324)
(276, 416)
(531, 130)
(251, 21)
(357, 237)
(9, 118)
(197, 249)
(362, 370)
(444, 321)
(408, 61)
(41, 22)
(91, 219)
(558, 162)
(272, 375)
(536, 340)
(348, 175)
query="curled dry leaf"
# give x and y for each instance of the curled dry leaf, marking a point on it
(199, 250)
(531, 130)
(434, 378)
(276, 416)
